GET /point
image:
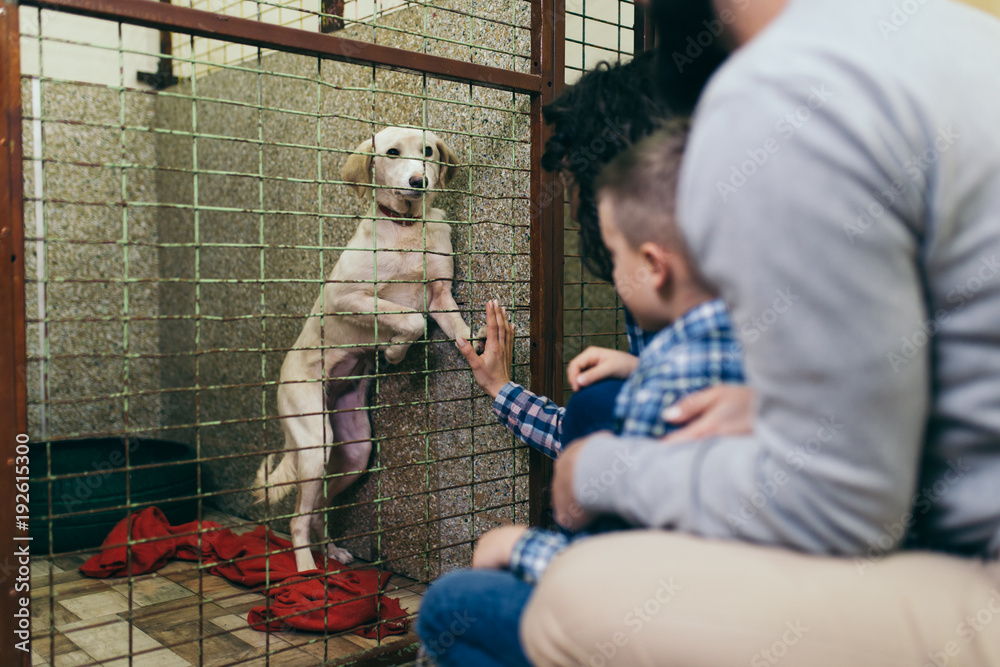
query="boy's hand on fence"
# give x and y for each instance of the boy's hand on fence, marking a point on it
(492, 368)
(599, 363)
(725, 409)
(495, 547)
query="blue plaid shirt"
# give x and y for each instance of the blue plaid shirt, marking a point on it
(638, 339)
(694, 353)
(537, 420)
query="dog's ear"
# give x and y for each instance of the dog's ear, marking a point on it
(358, 168)
(450, 160)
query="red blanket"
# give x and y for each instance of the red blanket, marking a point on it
(322, 599)
(338, 602)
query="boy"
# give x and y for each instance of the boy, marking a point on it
(609, 109)
(693, 348)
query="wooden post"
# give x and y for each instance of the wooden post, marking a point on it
(13, 364)
(548, 61)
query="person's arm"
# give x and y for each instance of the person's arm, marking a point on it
(779, 170)
(535, 420)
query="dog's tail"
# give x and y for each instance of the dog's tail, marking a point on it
(274, 483)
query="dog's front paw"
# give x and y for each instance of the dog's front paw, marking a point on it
(339, 554)
(394, 354)
(479, 340)
(411, 328)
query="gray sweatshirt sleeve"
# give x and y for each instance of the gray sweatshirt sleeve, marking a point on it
(787, 200)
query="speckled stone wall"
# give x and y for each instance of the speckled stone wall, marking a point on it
(183, 252)
(443, 470)
(95, 314)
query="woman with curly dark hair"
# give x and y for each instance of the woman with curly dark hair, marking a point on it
(609, 109)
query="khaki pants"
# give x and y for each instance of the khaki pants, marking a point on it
(660, 598)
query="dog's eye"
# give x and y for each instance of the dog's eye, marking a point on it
(429, 152)
(393, 152)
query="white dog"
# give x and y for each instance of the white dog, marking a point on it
(355, 316)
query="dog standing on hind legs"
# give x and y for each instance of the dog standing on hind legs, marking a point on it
(397, 264)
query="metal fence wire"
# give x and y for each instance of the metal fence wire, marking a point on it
(496, 33)
(178, 171)
(592, 312)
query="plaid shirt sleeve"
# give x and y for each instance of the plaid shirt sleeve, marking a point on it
(534, 551)
(534, 419)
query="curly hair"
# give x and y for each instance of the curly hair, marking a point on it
(608, 110)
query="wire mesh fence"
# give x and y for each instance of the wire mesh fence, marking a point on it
(495, 33)
(176, 241)
(596, 31)
(176, 238)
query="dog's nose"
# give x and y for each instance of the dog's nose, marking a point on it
(416, 181)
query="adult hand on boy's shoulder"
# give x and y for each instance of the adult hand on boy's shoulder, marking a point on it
(599, 363)
(496, 546)
(569, 514)
(724, 409)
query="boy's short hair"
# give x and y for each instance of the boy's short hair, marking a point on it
(642, 186)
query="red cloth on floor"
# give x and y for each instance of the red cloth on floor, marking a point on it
(318, 600)
(252, 571)
(336, 603)
(165, 542)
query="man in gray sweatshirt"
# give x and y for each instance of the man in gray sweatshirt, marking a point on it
(842, 190)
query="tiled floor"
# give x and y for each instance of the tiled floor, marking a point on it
(178, 618)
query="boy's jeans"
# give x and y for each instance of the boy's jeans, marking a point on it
(470, 618)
